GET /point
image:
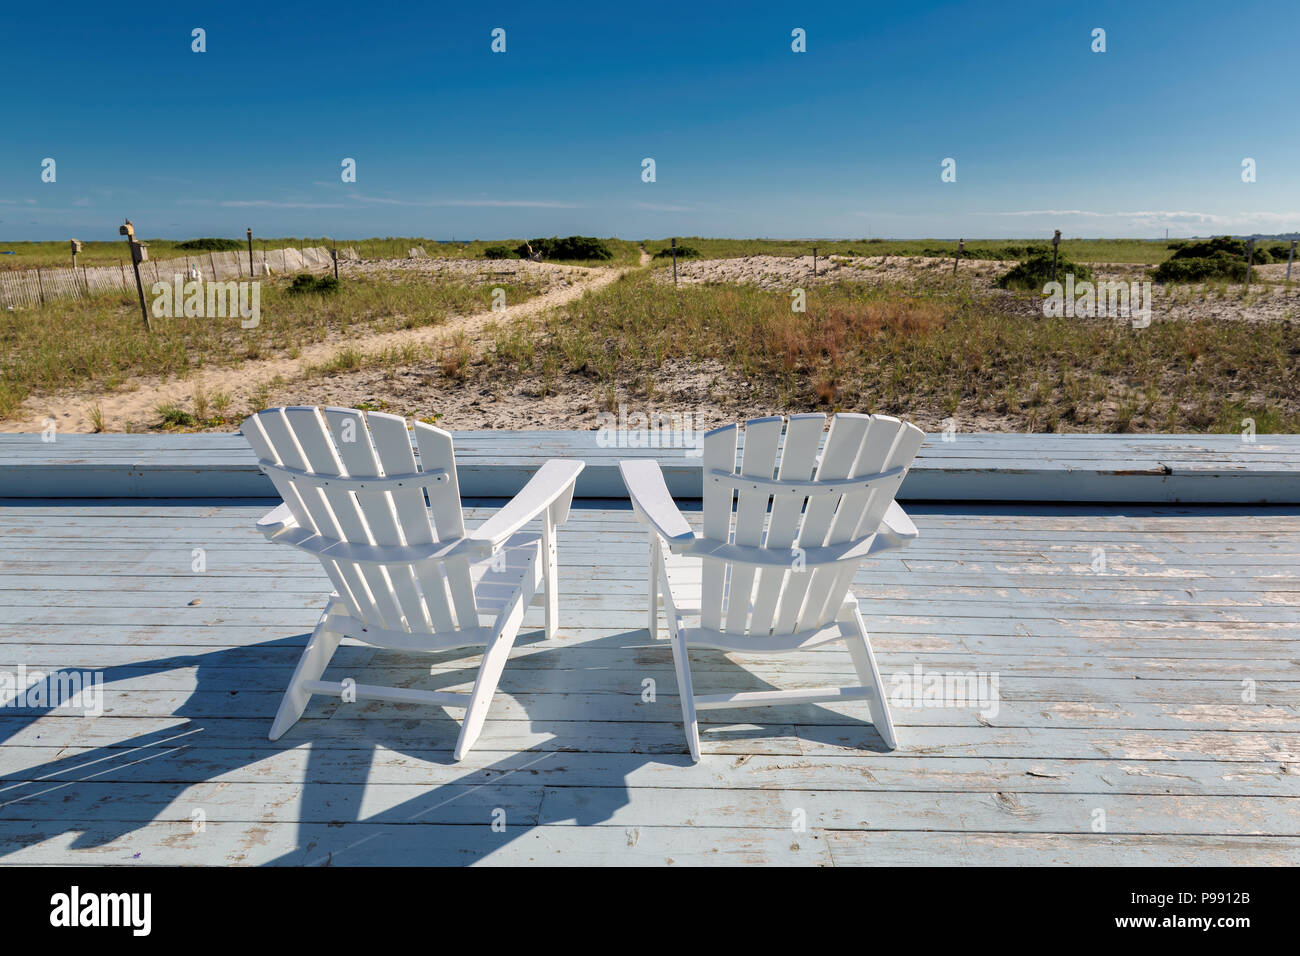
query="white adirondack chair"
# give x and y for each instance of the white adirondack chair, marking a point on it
(774, 581)
(354, 497)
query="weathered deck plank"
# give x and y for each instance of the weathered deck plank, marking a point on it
(1119, 691)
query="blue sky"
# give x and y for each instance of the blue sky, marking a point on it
(748, 137)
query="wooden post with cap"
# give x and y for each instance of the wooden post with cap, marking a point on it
(76, 247)
(128, 230)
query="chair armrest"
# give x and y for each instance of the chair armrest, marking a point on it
(276, 522)
(653, 504)
(896, 530)
(898, 524)
(553, 483)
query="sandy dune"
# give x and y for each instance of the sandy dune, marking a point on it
(420, 389)
(137, 407)
(1268, 301)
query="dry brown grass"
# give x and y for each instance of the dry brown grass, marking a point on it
(905, 352)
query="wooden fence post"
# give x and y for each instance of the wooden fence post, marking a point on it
(136, 253)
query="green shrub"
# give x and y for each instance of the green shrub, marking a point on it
(210, 245)
(1209, 248)
(306, 282)
(1196, 270)
(571, 247)
(683, 252)
(500, 252)
(1221, 257)
(1023, 252)
(175, 416)
(1036, 271)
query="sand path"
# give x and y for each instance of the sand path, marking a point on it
(71, 410)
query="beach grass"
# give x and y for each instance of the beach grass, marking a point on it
(101, 342)
(934, 355)
(1081, 250)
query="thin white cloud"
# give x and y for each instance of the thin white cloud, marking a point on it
(272, 204)
(1172, 216)
(492, 203)
(661, 207)
(1052, 212)
(513, 203)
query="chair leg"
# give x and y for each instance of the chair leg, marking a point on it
(315, 658)
(550, 575)
(864, 661)
(655, 558)
(685, 690)
(489, 673)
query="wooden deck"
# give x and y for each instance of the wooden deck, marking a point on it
(1121, 694)
(1206, 469)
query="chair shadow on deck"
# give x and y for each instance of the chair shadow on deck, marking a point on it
(108, 792)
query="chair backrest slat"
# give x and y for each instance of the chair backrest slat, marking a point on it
(393, 447)
(720, 453)
(436, 451)
(823, 597)
(901, 443)
(804, 515)
(352, 432)
(272, 440)
(390, 511)
(798, 458)
(313, 438)
(757, 459)
(838, 457)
